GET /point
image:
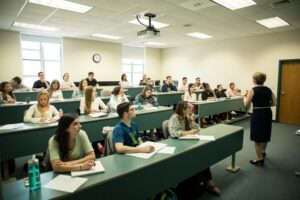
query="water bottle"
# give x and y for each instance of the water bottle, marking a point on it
(34, 174)
(140, 107)
(61, 112)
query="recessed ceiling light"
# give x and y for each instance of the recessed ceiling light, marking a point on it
(145, 21)
(199, 35)
(155, 43)
(34, 26)
(106, 36)
(62, 4)
(235, 4)
(273, 22)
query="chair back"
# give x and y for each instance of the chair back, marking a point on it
(109, 147)
(105, 93)
(165, 127)
(47, 162)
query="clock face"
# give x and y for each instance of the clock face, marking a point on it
(96, 58)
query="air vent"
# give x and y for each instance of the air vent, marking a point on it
(187, 25)
(196, 5)
(282, 3)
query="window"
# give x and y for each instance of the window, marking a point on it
(40, 54)
(134, 69)
(133, 63)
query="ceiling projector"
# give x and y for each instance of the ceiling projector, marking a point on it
(150, 31)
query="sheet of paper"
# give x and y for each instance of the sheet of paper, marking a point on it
(167, 150)
(190, 137)
(98, 168)
(10, 126)
(207, 137)
(65, 183)
(98, 114)
(157, 146)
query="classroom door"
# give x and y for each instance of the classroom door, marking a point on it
(289, 104)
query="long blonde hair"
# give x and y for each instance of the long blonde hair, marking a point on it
(88, 99)
(41, 93)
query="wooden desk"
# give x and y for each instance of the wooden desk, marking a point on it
(33, 138)
(158, 172)
(207, 108)
(168, 98)
(14, 113)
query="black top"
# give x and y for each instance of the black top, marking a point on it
(262, 96)
(205, 94)
(221, 93)
(92, 82)
(168, 87)
(40, 84)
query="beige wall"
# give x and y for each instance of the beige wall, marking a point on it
(78, 59)
(232, 60)
(10, 55)
(153, 66)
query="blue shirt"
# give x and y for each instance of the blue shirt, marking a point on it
(168, 87)
(126, 135)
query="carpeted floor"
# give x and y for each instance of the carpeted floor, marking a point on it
(275, 180)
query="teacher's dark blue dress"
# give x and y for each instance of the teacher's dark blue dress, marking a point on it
(261, 120)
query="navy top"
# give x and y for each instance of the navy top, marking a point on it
(150, 100)
(205, 94)
(40, 84)
(262, 96)
(92, 82)
(126, 135)
(168, 87)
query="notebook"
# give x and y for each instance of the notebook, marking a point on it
(157, 146)
(98, 114)
(98, 168)
(198, 137)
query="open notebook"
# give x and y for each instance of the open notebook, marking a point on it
(157, 146)
(98, 114)
(198, 137)
(98, 168)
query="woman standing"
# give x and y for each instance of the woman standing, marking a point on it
(70, 148)
(261, 121)
(42, 112)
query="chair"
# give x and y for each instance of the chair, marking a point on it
(46, 162)
(105, 93)
(109, 147)
(165, 127)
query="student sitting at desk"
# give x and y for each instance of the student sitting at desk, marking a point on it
(54, 91)
(116, 98)
(184, 85)
(198, 84)
(190, 95)
(79, 92)
(91, 103)
(126, 136)
(42, 112)
(146, 99)
(67, 83)
(143, 81)
(168, 85)
(6, 92)
(70, 148)
(182, 123)
(17, 85)
(124, 82)
(233, 91)
(40, 84)
(209, 94)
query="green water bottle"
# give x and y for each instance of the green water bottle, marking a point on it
(34, 174)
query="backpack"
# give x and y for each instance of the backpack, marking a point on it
(165, 195)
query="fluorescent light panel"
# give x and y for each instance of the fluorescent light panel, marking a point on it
(273, 22)
(65, 5)
(235, 4)
(34, 26)
(199, 35)
(106, 36)
(146, 22)
(155, 43)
